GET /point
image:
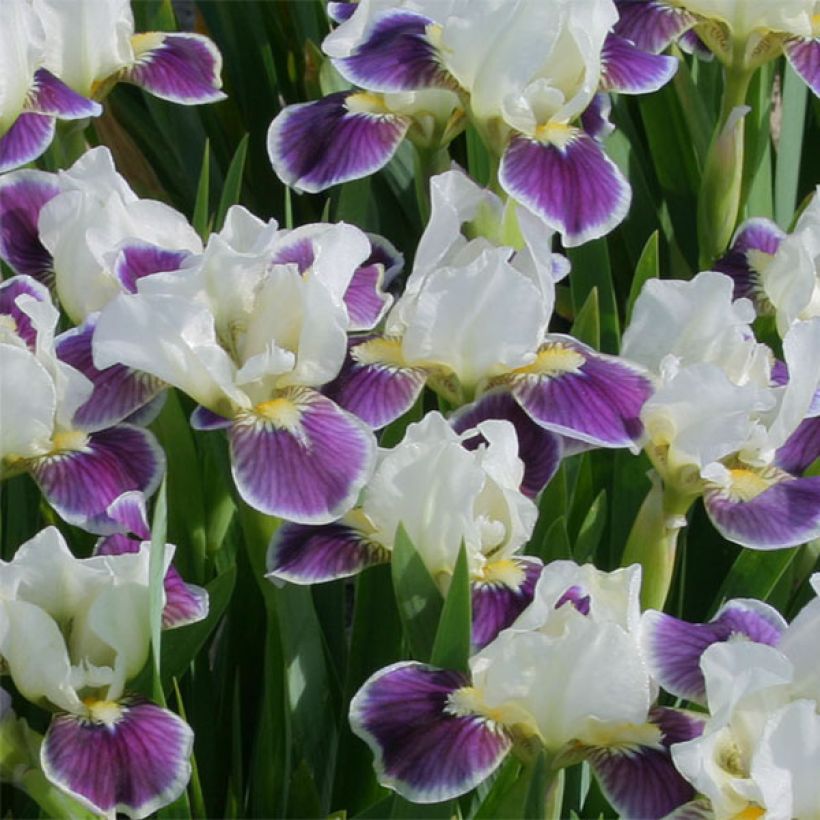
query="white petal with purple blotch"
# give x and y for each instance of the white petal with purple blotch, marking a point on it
(640, 779)
(82, 481)
(539, 449)
(651, 24)
(301, 457)
(29, 137)
(570, 183)
(343, 136)
(22, 195)
(375, 383)
(627, 69)
(573, 390)
(595, 119)
(118, 390)
(761, 510)
(130, 512)
(180, 67)
(137, 259)
(204, 419)
(424, 747)
(674, 647)
(365, 300)
(802, 447)
(804, 56)
(505, 589)
(15, 323)
(129, 756)
(306, 554)
(50, 95)
(396, 55)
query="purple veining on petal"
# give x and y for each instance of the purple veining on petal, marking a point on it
(204, 419)
(642, 781)
(804, 56)
(786, 514)
(184, 603)
(299, 253)
(315, 145)
(577, 597)
(384, 253)
(757, 234)
(134, 764)
(396, 55)
(627, 69)
(182, 68)
(373, 387)
(595, 119)
(674, 647)
(10, 290)
(425, 748)
(49, 95)
(129, 511)
(307, 554)
(539, 449)
(306, 461)
(29, 137)
(81, 483)
(692, 44)
(22, 197)
(118, 391)
(599, 401)
(802, 448)
(651, 24)
(573, 186)
(497, 603)
(140, 259)
(364, 298)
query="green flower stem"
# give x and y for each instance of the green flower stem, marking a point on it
(50, 799)
(653, 540)
(719, 196)
(427, 162)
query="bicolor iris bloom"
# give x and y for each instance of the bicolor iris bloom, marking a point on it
(742, 34)
(723, 422)
(31, 96)
(760, 748)
(73, 632)
(568, 676)
(252, 330)
(80, 467)
(443, 494)
(528, 74)
(451, 330)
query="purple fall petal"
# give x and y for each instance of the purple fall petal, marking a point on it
(502, 596)
(301, 457)
(181, 67)
(786, 514)
(29, 137)
(423, 747)
(50, 95)
(22, 197)
(804, 56)
(573, 390)
(364, 298)
(129, 511)
(628, 69)
(135, 761)
(372, 385)
(642, 781)
(341, 10)
(204, 419)
(140, 259)
(81, 484)
(118, 391)
(573, 186)
(184, 603)
(384, 253)
(755, 235)
(10, 290)
(801, 449)
(651, 24)
(539, 449)
(674, 647)
(305, 554)
(318, 144)
(396, 55)
(595, 119)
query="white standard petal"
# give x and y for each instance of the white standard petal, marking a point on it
(462, 318)
(87, 41)
(747, 16)
(21, 49)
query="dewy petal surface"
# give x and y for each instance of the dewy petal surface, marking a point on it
(134, 759)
